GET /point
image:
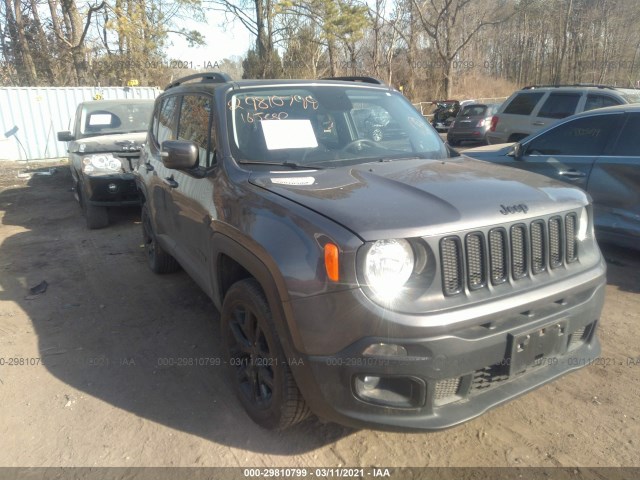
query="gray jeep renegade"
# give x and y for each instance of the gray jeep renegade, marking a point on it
(383, 283)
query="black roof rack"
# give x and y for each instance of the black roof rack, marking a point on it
(372, 80)
(531, 87)
(206, 77)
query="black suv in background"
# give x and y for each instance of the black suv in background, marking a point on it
(104, 147)
(374, 283)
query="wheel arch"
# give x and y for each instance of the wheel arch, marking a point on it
(234, 262)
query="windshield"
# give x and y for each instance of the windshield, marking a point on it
(102, 118)
(631, 96)
(327, 126)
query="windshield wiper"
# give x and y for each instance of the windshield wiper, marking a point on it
(292, 165)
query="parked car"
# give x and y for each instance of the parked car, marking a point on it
(379, 284)
(472, 123)
(104, 146)
(598, 151)
(444, 114)
(534, 107)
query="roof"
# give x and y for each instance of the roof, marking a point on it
(207, 80)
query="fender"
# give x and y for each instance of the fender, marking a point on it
(268, 276)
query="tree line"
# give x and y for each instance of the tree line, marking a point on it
(428, 48)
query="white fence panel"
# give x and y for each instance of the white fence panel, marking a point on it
(30, 117)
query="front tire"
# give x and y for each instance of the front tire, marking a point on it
(259, 371)
(95, 217)
(159, 261)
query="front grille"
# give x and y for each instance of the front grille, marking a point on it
(450, 253)
(538, 260)
(516, 252)
(446, 390)
(497, 249)
(572, 241)
(490, 376)
(555, 242)
(475, 260)
(519, 251)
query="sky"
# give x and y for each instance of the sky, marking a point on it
(220, 44)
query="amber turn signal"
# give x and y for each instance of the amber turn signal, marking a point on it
(331, 262)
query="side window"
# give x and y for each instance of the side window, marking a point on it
(583, 136)
(167, 119)
(560, 105)
(599, 101)
(154, 122)
(523, 103)
(629, 141)
(195, 125)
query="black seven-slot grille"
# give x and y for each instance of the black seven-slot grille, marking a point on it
(519, 251)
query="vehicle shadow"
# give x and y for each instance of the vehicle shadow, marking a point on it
(110, 328)
(623, 267)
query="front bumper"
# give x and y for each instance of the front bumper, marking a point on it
(450, 378)
(117, 190)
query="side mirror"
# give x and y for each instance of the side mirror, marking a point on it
(516, 151)
(65, 136)
(179, 155)
(452, 151)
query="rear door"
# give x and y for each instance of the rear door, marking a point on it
(568, 151)
(614, 183)
(558, 105)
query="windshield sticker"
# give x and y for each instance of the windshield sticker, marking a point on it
(282, 134)
(100, 119)
(295, 181)
(256, 103)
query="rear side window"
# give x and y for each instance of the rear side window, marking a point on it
(195, 125)
(523, 103)
(599, 101)
(583, 136)
(559, 105)
(629, 141)
(167, 119)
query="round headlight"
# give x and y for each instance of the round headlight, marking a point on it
(105, 161)
(388, 266)
(583, 224)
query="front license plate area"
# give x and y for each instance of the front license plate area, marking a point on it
(534, 348)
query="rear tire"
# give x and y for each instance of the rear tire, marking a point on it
(258, 368)
(159, 261)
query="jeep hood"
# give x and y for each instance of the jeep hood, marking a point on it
(109, 143)
(411, 198)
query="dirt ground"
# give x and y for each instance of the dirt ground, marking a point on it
(82, 381)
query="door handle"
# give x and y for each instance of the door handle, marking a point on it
(538, 124)
(171, 182)
(573, 173)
